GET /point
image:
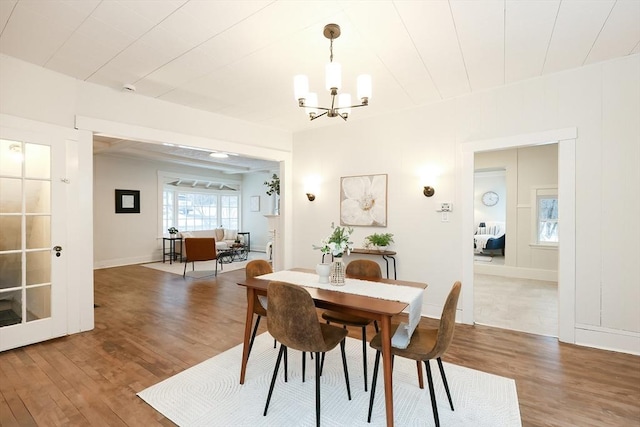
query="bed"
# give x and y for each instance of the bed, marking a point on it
(490, 237)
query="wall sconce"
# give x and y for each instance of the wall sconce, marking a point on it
(312, 186)
(428, 191)
(428, 178)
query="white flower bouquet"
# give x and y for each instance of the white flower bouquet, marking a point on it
(338, 242)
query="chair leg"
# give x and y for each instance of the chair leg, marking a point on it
(317, 389)
(273, 378)
(253, 336)
(286, 365)
(420, 377)
(376, 365)
(184, 273)
(375, 325)
(364, 355)
(444, 381)
(434, 405)
(304, 364)
(344, 366)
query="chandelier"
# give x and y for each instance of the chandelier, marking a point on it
(333, 80)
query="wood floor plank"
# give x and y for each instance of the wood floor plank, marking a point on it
(150, 325)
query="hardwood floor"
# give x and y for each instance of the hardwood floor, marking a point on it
(150, 325)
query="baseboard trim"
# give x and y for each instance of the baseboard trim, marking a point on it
(608, 339)
(123, 261)
(516, 272)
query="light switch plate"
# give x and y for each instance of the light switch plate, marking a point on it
(446, 207)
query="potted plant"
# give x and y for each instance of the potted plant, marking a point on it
(274, 185)
(379, 240)
(173, 231)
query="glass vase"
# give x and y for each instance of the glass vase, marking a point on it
(336, 277)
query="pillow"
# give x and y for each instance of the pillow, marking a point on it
(186, 234)
(230, 234)
(219, 234)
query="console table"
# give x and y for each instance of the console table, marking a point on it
(386, 256)
(172, 252)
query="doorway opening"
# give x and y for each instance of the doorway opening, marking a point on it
(566, 141)
(515, 273)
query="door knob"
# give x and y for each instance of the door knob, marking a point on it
(58, 249)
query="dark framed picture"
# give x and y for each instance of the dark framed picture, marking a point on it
(127, 201)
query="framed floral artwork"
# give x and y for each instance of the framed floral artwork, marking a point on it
(363, 200)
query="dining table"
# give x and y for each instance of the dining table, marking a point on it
(372, 307)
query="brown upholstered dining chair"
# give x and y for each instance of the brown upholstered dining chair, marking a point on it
(425, 344)
(293, 321)
(200, 249)
(361, 268)
(254, 268)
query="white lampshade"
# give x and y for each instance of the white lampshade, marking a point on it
(344, 100)
(364, 86)
(300, 86)
(312, 101)
(333, 75)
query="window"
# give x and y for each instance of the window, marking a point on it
(544, 216)
(229, 212)
(547, 219)
(199, 210)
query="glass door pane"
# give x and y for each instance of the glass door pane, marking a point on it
(25, 241)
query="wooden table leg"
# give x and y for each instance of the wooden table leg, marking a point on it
(247, 333)
(387, 367)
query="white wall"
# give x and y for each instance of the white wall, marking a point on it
(602, 101)
(256, 222)
(495, 181)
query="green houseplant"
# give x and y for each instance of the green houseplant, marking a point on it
(380, 240)
(274, 185)
(172, 230)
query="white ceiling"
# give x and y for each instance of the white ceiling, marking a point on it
(238, 58)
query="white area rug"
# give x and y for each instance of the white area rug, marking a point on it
(204, 268)
(209, 394)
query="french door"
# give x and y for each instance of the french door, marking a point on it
(32, 238)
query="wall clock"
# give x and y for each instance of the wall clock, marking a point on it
(490, 198)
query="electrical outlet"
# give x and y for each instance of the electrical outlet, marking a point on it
(446, 207)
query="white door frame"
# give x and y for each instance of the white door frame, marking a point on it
(566, 139)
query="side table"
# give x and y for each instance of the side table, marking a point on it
(247, 242)
(172, 252)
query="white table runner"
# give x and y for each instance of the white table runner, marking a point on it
(406, 294)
